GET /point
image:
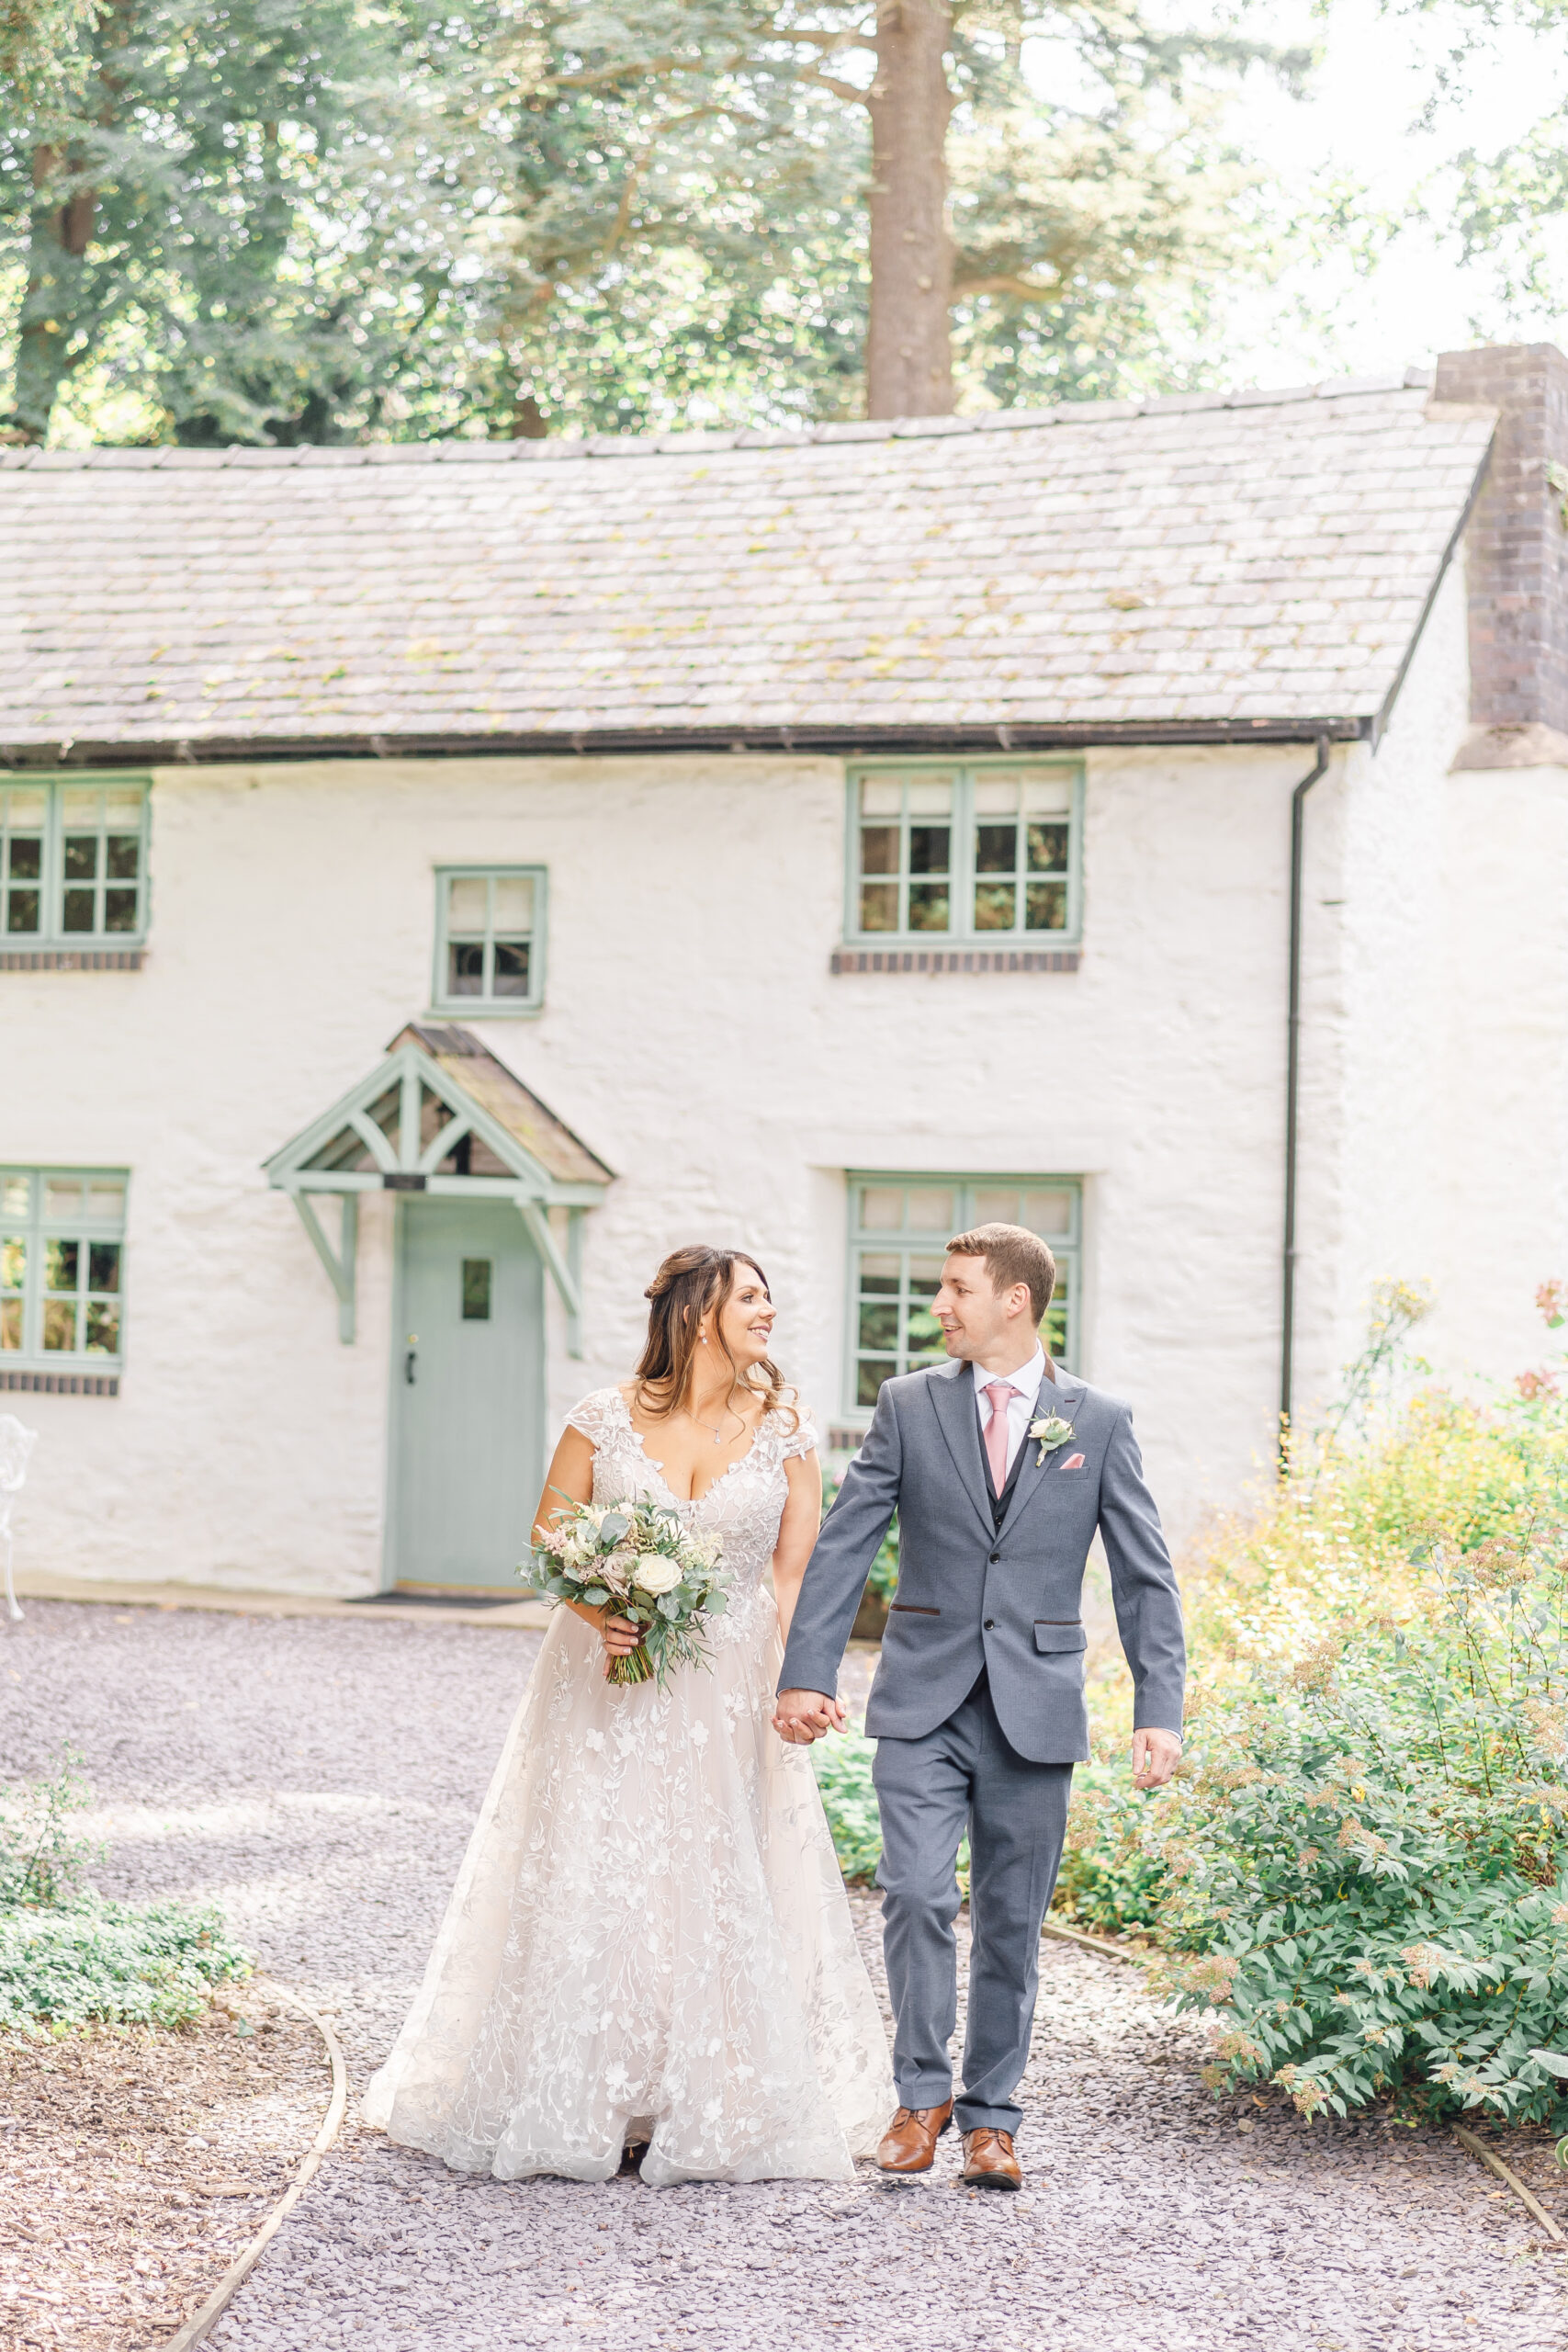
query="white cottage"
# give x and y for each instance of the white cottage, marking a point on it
(434, 880)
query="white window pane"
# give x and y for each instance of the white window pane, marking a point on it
(930, 796)
(996, 1207)
(996, 795)
(16, 1195)
(61, 1196)
(931, 1212)
(925, 1276)
(513, 902)
(1048, 1213)
(25, 812)
(79, 808)
(105, 1202)
(879, 1273)
(880, 797)
(881, 1208)
(467, 902)
(123, 808)
(1048, 796)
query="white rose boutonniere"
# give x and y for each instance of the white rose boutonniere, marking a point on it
(1052, 1431)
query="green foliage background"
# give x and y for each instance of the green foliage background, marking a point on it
(241, 222)
(70, 1958)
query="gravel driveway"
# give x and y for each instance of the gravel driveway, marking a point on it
(318, 1776)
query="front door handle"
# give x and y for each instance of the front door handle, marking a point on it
(409, 1362)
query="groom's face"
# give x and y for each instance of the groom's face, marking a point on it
(974, 1318)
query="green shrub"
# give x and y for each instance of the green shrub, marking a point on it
(39, 1862)
(843, 1764)
(1365, 1864)
(68, 1958)
(884, 1578)
(112, 1964)
(1114, 1875)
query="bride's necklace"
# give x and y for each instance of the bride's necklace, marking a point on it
(716, 1434)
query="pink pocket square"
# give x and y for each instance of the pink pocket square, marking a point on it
(1073, 1461)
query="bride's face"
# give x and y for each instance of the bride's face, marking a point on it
(746, 1319)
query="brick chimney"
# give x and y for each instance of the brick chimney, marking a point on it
(1517, 555)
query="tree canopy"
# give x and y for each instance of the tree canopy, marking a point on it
(241, 222)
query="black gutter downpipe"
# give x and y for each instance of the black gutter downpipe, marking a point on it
(1293, 1097)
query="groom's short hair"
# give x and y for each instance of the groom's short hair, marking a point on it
(1012, 1254)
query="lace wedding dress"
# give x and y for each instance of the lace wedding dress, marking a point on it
(648, 1938)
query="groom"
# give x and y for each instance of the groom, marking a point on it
(1000, 1471)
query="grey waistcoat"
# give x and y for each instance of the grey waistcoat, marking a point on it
(971, 1595)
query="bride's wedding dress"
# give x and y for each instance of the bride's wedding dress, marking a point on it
(648, 1938)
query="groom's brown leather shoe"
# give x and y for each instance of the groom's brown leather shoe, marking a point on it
(908, 2144)
(989, 2162)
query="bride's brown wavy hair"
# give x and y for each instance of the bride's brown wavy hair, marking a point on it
(691, 1284)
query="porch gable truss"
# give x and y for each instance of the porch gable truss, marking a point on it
(412, 1125)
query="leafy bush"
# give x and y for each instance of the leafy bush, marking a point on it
(1114, 1872)
(68, 1958)
(1365, 1867)
(39, 1862)
(843, 1764)
(882, 1580)
(111, 1962)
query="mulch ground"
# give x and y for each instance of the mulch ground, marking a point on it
(136, 2164)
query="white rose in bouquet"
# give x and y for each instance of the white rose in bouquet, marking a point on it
(658, 1573)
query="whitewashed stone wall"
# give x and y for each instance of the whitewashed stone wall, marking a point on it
(693, 1034)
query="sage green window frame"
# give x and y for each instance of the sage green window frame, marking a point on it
(895, 1264)
(63, 1269)
(965, 873)
(495, 930)
(74, 846)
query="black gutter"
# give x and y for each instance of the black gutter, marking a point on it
(845, 742)
(1293, 1095)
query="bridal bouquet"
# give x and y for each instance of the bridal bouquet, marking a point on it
(653, 1569)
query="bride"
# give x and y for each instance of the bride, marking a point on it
(648, 1942)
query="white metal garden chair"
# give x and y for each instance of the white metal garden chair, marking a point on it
(16, 1445)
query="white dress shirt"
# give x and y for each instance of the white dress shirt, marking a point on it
(1025, 1385)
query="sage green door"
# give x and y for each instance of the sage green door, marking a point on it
(468, 1394)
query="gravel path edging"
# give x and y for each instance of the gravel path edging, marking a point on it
(1532, 2205)
(202, 2320)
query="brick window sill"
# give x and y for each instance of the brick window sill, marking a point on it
(61, 1384)
(70, 959)
(933, 960)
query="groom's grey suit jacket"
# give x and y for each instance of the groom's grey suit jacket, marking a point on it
(972, 1595)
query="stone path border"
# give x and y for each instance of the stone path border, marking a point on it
(1467, 2140)
(202, 2320)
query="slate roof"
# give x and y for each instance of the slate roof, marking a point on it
(468, 1061)
(1186, 565)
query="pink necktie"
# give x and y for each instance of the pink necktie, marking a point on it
(999, 1391)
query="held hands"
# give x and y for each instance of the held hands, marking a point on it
(1155, 1755)
(806, 1715)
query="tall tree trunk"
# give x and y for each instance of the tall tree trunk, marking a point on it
(908, 352)
(56, 246)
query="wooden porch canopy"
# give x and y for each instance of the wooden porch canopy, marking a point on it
(441, 1114)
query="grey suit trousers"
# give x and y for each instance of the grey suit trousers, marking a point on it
(965, 1775)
